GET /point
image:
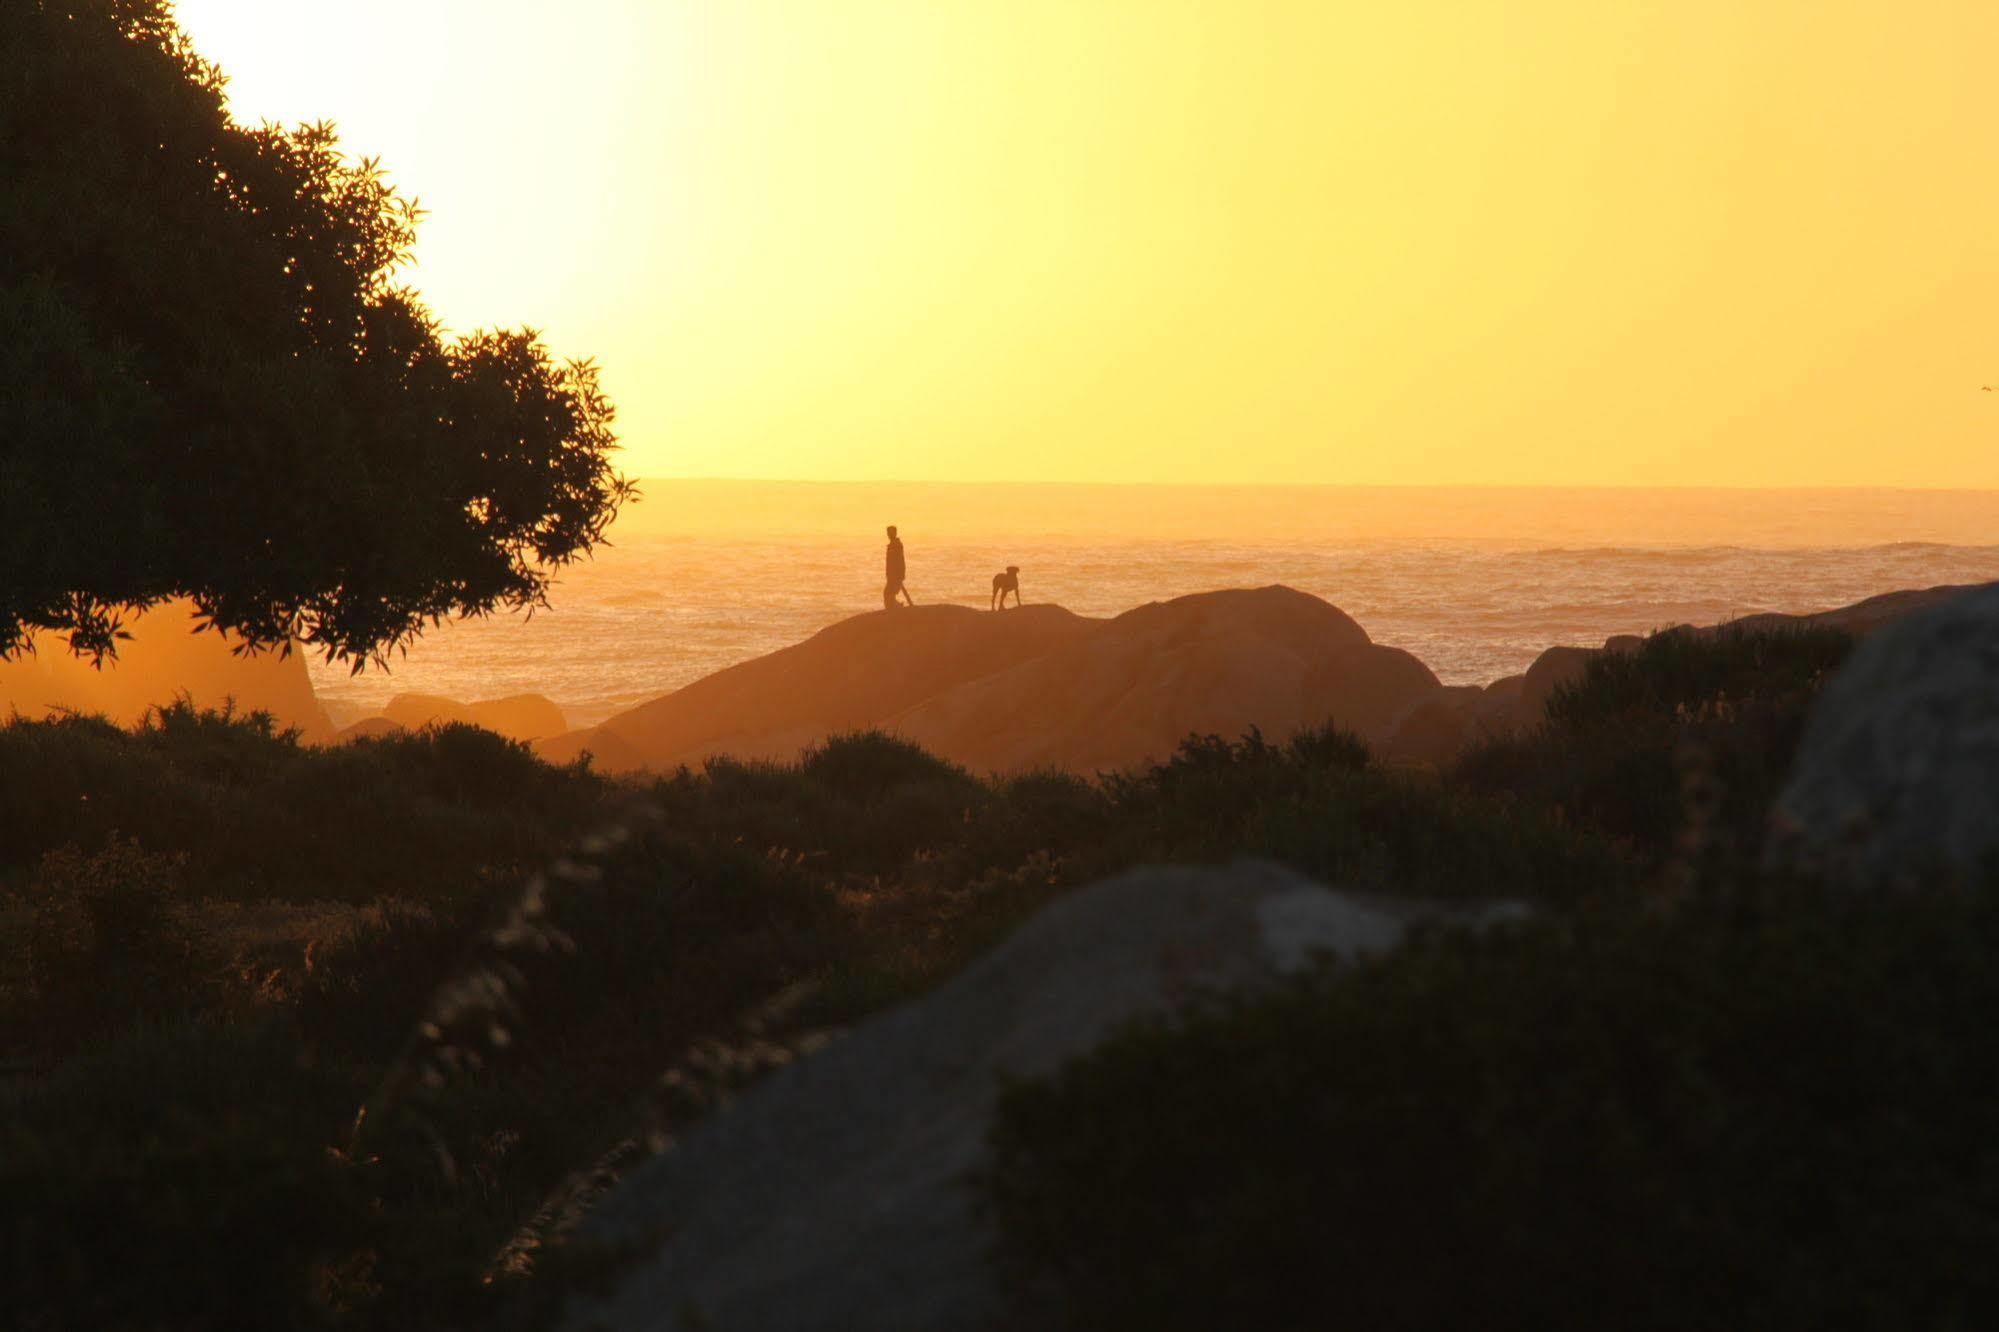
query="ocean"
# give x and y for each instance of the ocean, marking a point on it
(1474, 581)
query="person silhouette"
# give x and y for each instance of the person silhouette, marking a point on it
(896, 571)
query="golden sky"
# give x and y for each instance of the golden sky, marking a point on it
(1692, 242)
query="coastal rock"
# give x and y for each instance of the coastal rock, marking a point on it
(1042, 687)
(1498, 708)
(834, 1195)
(1898, 772)
(1435, 727)
(1551, 670)
(164, 659)
(413, 712)
(607, 750)
(848, 676)
(1214, 662)
(518, 717)
(368, 728)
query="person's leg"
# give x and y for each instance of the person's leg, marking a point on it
(888, 596)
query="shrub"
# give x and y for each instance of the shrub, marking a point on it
(1722, 712)
(1679, 671)
(1315, 806)
(1770, 1113)
(867, 802)
(106, 941)
(180, 1178)
(867, 765)
(256, 814)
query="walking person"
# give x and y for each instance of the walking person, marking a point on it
(896, 571)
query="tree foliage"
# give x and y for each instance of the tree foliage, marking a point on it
(212, 386)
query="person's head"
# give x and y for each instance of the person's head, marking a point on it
(891, 534)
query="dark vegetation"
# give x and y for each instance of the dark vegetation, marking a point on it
(1712, 1096)
(1681, 1090)
(135, 958)
(212, 386)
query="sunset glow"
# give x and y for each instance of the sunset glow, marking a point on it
(1529, 241)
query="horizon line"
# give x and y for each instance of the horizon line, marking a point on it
(1014, 483)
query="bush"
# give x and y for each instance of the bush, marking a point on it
(868, 765)
(1773, 1115)
(1686, 719)
(1680, 671)
(866, 802)
(256, 814)
(181, 1178)
(106, 942)
(1314, 805)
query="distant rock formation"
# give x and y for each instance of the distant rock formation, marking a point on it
(164, 659)
(518, 716)
(368, 728)
(1898, 772)
(607, 750)
(1213, 662)
(834, 1194)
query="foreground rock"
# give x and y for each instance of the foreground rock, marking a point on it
(1898, 772)
(834, 1195)
(1214, 662)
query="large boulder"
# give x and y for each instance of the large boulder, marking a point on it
(164, 659)
(1436, 727)
(849, 676)
(1554, 668)
(834, 1195)
(1898, 773)
(1214, 662)
(1862, 617)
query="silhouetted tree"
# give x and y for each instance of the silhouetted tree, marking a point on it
(210, 385)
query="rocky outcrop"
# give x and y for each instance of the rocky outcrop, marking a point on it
(1040, 687)
(849, 676)
(834, 1194)
(368, 728)
(1862, 617)
(1554, 668)
(608, 752)
(1898, 773)
(164, 659)
(518, 716)
(1214, 662)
